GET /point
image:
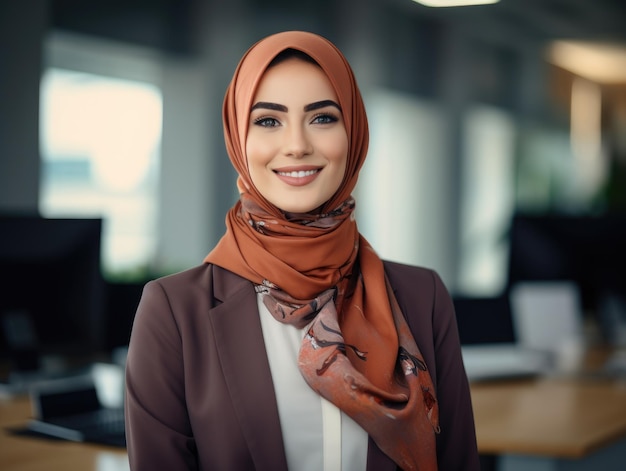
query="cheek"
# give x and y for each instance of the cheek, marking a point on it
(258, 151)
(254, 160)
(254, 155)
(251, 150)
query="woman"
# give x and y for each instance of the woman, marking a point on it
(294, 346)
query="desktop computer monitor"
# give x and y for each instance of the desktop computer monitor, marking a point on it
(52, 293)
(589, 251)
(484, 320)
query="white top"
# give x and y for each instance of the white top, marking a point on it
(316, 434)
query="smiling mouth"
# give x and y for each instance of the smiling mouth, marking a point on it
(299, 173)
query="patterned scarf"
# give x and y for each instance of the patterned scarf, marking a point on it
(317, 271)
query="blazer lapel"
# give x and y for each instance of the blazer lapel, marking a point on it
(241, 350)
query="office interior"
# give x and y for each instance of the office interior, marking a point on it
(483, 119)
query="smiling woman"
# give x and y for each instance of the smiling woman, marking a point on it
(356, 361)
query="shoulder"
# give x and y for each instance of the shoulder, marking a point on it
(424, 300)
(163, 297)
(413, 279)
(175, 306)
(206, 283)
(192, 276)
(204, 278)
(402, 270)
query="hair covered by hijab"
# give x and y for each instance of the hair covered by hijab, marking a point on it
(243, 86)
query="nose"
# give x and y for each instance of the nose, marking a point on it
(297, 143)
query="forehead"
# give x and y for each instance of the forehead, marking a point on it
(294, 78)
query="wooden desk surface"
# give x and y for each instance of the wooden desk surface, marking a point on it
(18, 453)
(560, 418)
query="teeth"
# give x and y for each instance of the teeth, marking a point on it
(300, 174)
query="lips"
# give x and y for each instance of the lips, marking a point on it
(298, 176)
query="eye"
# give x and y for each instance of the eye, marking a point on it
(324, 118)
(266, 122)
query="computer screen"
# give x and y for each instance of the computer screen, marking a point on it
(587, 250)
(484, 320)
(50, 279)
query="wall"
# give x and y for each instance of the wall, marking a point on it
(392, 53)
(22, 27)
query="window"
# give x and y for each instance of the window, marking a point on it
(100, 148)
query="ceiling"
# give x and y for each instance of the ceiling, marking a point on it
(536, 20)
(509, 21)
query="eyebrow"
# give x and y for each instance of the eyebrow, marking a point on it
(268, 106)
(321, 104)
(310, 107)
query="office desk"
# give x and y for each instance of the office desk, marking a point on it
(552, 423)
(19, 453)
(539, 425)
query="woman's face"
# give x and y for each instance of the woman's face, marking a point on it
(297, 144)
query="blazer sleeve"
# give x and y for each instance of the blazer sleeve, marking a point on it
(429, 311)
(158, 431)
(456, 444)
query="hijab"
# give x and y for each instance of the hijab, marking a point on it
(315, 270)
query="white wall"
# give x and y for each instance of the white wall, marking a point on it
(403, 192)
(185, 209)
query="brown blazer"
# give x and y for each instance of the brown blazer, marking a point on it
(199, 393)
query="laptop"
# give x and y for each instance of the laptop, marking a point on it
(489, 345)
(503, 361)
(77, 414)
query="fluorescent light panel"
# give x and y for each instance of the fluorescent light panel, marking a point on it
(454, 3)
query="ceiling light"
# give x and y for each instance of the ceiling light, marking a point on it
(602, 63)
(454, 3)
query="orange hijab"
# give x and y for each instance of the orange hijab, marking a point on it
(318, 266)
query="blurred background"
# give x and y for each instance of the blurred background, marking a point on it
(497, 157)
(479, 115)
